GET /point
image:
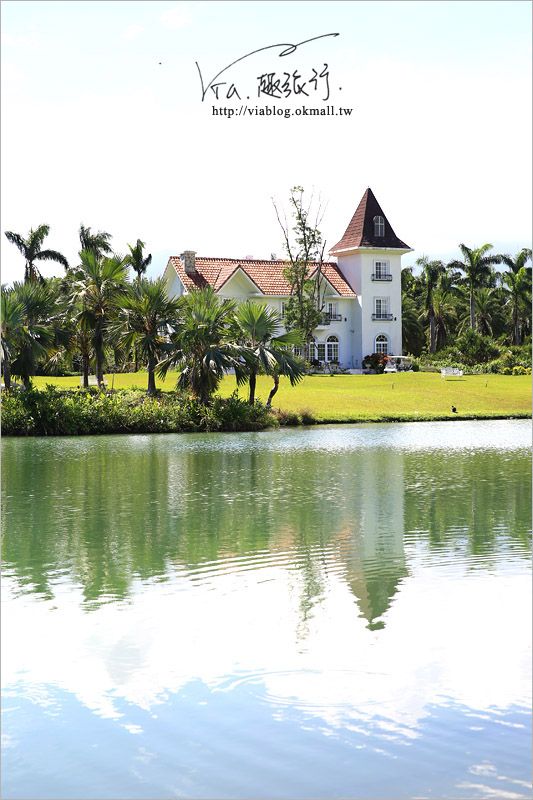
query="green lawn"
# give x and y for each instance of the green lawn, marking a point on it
(401, 396)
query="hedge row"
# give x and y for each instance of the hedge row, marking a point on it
(79, 412)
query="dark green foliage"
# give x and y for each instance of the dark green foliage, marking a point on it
(81, 412)
(376, 361)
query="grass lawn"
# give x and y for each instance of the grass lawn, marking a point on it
(365, 398)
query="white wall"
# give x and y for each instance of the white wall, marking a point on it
(358, 268)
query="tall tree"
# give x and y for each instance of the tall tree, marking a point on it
(259, 328)
(477, 265)
(137, 260)
(97, 243)
(99, 283)
(201, 347)
(31, 249)
(34, 328)
(145, 316)
(304, 272)
(518, 289)
(431, 271)
(12, 328)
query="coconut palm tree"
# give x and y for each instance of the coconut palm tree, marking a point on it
(136, 259)
(478, 268)
(144, 319)
(97, 242)
(99, 282)
(431, 270)
(201, 347)
(259, 328)
(31, 249)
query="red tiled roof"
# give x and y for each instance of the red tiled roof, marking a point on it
(360, 231)
(266, 275)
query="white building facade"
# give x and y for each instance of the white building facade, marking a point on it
(362, 313)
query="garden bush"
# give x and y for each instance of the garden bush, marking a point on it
(77, 412)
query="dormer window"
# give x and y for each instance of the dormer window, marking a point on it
(379, 226)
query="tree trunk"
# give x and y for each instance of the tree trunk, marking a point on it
(253, 377)
(7, 373)
(99, 348)
(516, 331)
(136, 359)
(151, 377)
(472, 314)
(85, 363)
(431, 330)
(272, 391)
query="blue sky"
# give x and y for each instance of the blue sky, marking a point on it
(96, 130)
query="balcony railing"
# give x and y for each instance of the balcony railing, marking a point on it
(328, 318)
(381, 277)
(382, 316)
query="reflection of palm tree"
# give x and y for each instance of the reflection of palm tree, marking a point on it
(31, 249)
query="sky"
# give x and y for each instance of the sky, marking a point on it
(104, 123)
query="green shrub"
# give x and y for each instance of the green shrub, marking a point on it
(76, 412)
(307, 416)
(287, 417)
(519, 370)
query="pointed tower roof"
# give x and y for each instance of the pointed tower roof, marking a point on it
(360, 231)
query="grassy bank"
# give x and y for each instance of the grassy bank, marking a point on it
(405, 396)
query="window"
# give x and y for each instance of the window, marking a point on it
(332, 308)
(311, 347)
(381, 344)
(332, 348)
(283, 308)
(381, 307)
(379, 226)
(381, 271)
(321, 351)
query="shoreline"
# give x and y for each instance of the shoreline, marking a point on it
(376, 421)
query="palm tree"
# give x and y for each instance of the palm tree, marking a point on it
(201, 347)
(258, 328)
(34, 328)
(431, 271)
(487, 308)
(519, 293)
(12, 330)
(445, 312)
(136, 260)
(412, 333)
(146, 314)
(99, 283)
(97, 242)
(478, 268)
(31, 249)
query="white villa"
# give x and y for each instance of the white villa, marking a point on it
(363, 310)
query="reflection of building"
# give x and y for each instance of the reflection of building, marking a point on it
(362, 311)
(374, 554)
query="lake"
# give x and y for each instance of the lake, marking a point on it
(330, 612)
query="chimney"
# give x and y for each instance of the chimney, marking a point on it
(188, 261)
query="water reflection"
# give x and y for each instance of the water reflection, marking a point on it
(367, 593)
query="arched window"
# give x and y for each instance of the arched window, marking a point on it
(381, 344)
(379, 226)
(332, 353)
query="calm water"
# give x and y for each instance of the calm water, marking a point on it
(321, 613)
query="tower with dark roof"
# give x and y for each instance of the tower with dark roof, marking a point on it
(369, 256)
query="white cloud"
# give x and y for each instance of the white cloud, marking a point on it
(131, 32)
(176, 18)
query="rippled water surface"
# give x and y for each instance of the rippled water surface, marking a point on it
(334, 612)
